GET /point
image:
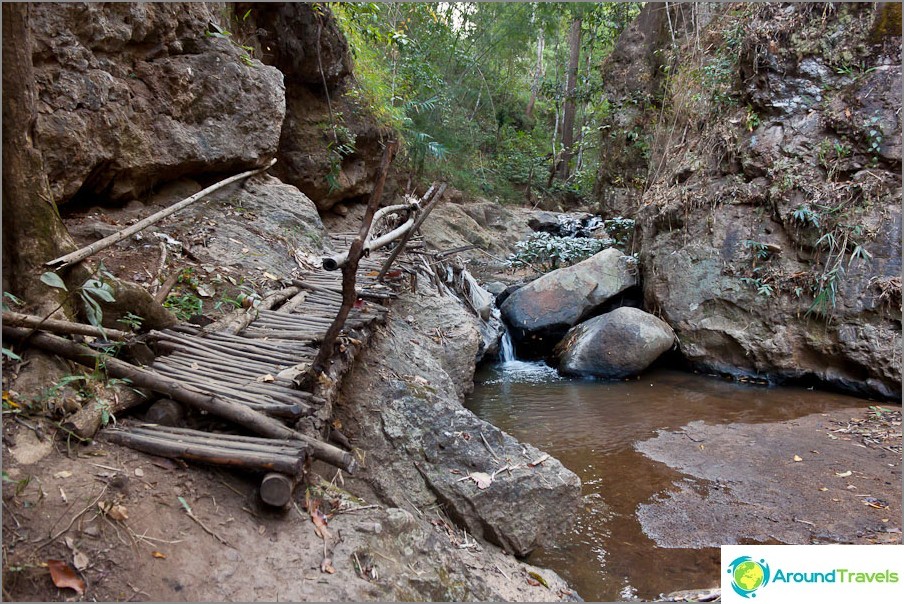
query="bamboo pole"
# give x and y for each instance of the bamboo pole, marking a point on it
(235, 412)
(15, 319)
(209, 453)
(81, 254)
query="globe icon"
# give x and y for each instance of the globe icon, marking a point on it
(748, 575)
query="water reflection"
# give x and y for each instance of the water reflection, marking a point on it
(591, 427)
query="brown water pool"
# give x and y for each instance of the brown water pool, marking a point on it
(592, 427)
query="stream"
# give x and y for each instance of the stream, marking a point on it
(592, 427)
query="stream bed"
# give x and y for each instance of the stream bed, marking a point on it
(592, 427)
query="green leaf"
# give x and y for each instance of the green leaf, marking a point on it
(99, 289)
(10, 354)
(53, 280)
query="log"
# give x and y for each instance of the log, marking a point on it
(166, 288)
(259, 445)
(16, 319)
(337, 261)
(81, 254)
(276, 489)
(242, 318)
(237, 413)
(85, 422)
(212, 454)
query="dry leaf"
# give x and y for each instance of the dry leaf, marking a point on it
(114, 512)
(320, 523)
(79, 560)
(483, 480)
(63, 474)
(159, 555)
(843, 474)
(63, 576)
(266, 378)
(271, 276)
(327, 566)
(823, 489)
(533, 582)
(798, 458)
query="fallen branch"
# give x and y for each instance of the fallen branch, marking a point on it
(241, 318)
(15, 319)
(81, 254)
(349, 272)
(239, 414)
(339, 260)
(431, 203)
(212, 451)
(85, 422)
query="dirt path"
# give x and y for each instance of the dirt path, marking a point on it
(823, 478)
(151, 549)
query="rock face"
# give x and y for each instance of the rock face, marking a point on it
(553, 303)
(421, 442)
(771, 240)
(618, 344)
(134, 94)
(320, 116)
(261, 225)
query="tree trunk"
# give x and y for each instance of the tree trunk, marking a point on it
(574, 45)
(538, 73)
(33, 232)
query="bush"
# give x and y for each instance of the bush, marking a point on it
(546, 252)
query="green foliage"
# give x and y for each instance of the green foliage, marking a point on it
(184, 304)
(545, 252)
(455, 80)
(94, 289)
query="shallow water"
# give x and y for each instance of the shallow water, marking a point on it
(591, 427)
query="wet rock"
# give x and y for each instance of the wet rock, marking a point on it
(133, 94)
(553, 303)
(618, 344)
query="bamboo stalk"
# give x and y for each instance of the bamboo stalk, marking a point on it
(81, 254)
(260, 445)
(211, 454)
(15, 319)
(275, 403)
(235, 412)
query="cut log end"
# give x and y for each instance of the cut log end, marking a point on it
(276, 489)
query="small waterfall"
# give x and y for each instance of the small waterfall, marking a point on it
(506, 347)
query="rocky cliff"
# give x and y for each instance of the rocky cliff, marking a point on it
(134, 95)
(770, 200)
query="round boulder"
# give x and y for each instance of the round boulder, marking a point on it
(553, 303)
(615, 345)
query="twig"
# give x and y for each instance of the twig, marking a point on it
(191, 515)
(87, 508)
(492, 452)
(356, 509)
(81, 254)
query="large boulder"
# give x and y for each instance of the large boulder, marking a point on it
(133, 94)
(400, 404)
(552, 304)
(618, 344)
